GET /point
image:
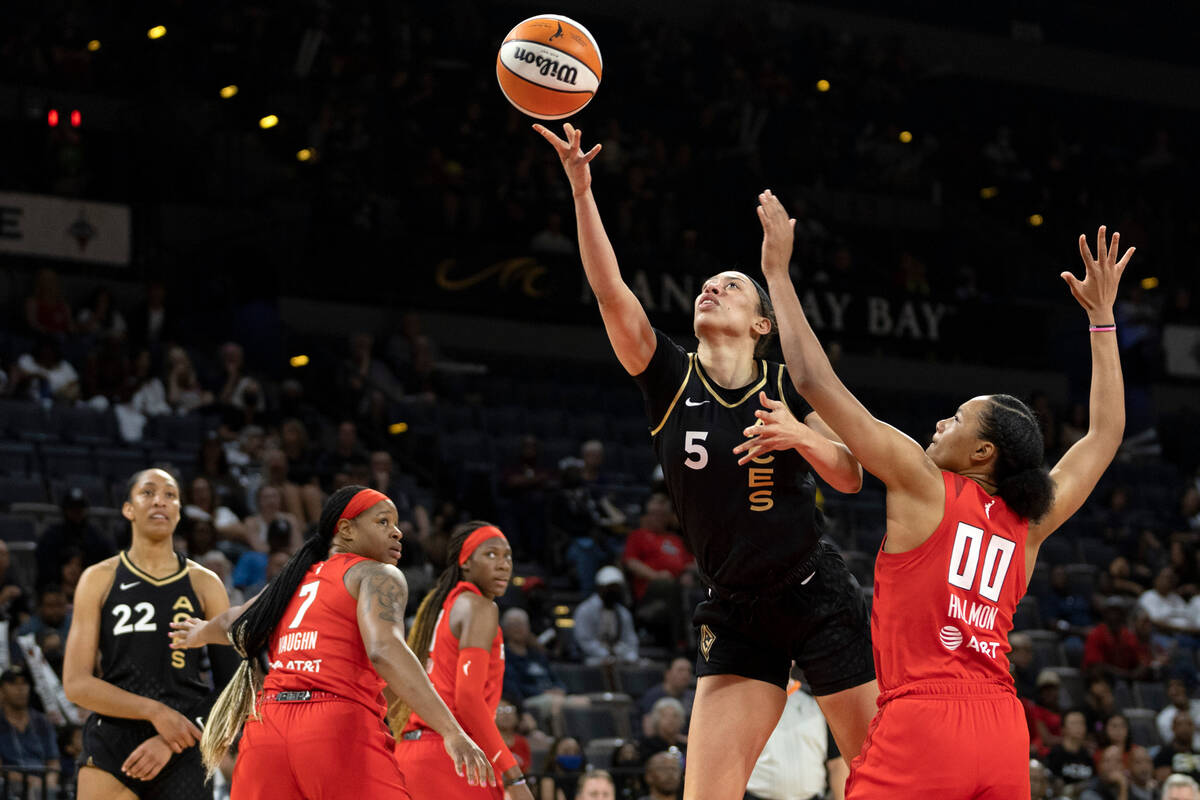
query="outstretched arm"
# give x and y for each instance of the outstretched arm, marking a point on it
(882, 450)
(382, 596)
(194, 632)
(778, 429)
(1080, 468)
(624, 318)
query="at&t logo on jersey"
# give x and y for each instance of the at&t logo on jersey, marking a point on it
(951, 637)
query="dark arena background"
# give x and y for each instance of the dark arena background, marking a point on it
(293, 246)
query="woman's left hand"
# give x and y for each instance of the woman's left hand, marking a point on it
(186, 634)
(776, 429)
(777, 233)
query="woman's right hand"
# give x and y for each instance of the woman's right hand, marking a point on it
(573, 159)
(1102, 274)
(179, 732)
(186, 634)
(469, 760)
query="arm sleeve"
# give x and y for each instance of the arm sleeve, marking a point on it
(661, 378)
(473, 710)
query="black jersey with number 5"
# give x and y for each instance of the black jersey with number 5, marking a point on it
(135, 623)
(747, 525)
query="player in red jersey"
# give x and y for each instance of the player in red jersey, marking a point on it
(332, 624)
(965, 519)
(457, 634)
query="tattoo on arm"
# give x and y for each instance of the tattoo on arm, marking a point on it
(390, 596)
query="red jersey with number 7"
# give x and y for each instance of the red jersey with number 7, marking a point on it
(943, 611)
(317, 644)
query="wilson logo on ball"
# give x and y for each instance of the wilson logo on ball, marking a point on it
(951, 637)
(549, 67)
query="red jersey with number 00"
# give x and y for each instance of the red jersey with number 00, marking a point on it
(942, 611)
(317, 644)
(442, 664)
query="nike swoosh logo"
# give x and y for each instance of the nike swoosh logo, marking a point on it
(199, 722)
(125, 586)
(688, 402)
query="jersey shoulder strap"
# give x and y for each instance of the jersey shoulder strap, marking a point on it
(687, 376)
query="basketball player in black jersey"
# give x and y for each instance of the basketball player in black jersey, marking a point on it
(148, 701)
(775, 593)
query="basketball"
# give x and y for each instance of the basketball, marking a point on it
(549, 66)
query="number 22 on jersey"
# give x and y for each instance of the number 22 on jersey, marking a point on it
(964, 561)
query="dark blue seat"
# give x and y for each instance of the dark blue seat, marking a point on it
(59, 460)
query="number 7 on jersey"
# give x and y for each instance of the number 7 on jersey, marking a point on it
(309, 592)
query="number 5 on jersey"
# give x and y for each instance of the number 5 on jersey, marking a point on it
(692, 446)
(964, 561)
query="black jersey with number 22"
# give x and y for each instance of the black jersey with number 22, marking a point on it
(747, 525)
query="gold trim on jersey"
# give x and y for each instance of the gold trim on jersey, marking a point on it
(150, 579)
(782, 396)
(678, 394)
(753, 389)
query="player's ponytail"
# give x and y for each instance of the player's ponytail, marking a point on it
(251, 632)
(1019, 472)
(420, 635)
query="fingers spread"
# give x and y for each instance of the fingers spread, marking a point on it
(1102, 244)
(1085, 251)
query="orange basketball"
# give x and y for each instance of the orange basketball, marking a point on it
(549, 66)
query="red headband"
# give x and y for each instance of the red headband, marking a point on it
(478, 537)
(361, 502)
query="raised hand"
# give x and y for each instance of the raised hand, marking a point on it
(777, 232)
(776, 429)
(573, 159)
(1102, 274)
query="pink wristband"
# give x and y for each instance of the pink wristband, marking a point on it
(1102, 328)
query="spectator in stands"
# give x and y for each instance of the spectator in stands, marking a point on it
(199, 537)
(1187, 568)
(596, 784)
(301, 469)
(666, 729)
(664, 774)
(1112, 648)
(1166, 607)
(269, 501)
(1045, 721)
(413, 518)
(367, 383)
(507, 720)
(70, 570)
(561, 770)
(1020, 664)
(604, 627)
(677, 683)
(582, 521)
(1142, 783)
(46, 312)
(1154, 652)
(628, 771)
(1180, 754)
(219, 563)
(106, 373)
(14, 604)
(43, 374)
(147, 397)
(528, 675)
(184, 392)
(52, 612)
(1178, 702)
(1111, 781)
(275, 473)
(347, 454)
(203, 505)
(153, 322)
(1071, 761)
(74, 532)
(662, 569)
(70, 745)
(99, 318)
(231, 382)
(27, 739)
(1061, 608)
(1039, 781)
(251, 568)
(1180, 787)
(1115, 734)
(801, 759)
(525, 484)
(1099, 705)
(1118, 580)
(213, 463)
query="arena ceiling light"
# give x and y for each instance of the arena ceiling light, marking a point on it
(157, 32)
(269, 121)
(93, 45)
(229, 91)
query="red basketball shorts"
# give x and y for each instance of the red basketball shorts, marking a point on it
(952, 741)
(429, 772)
(316, 750)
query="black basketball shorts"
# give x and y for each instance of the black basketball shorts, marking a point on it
(108, 741)
(823, 624)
